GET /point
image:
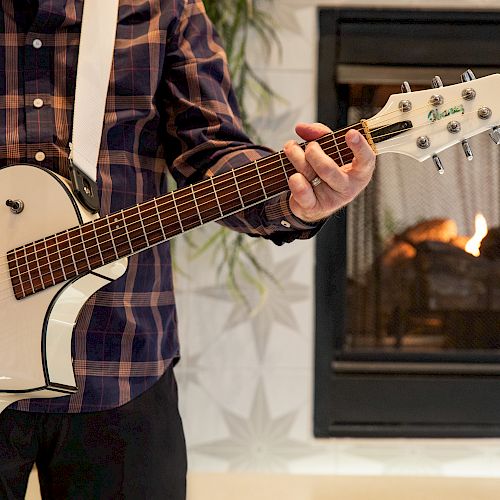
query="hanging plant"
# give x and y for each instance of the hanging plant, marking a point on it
(237, 21)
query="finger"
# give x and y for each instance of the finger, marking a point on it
(303, 197)
(364, 157)
(297, 157)
(325, 167)
(311, 131)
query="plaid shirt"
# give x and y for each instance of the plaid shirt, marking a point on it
(170, 104)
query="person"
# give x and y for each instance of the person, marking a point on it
(170, 104)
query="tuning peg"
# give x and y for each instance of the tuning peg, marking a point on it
(438, 163)
(405, 88)
(437, 82)
(467, 150)
(467, 76)
(495, 135)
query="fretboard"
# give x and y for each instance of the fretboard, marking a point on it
(76, 251)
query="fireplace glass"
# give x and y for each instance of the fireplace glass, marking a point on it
(423, 249)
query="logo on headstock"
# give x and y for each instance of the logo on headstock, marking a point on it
(436, 115)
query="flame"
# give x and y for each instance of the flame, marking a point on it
(472, 246)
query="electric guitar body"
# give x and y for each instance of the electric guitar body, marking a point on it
(36, 332)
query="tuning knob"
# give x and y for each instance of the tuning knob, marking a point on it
(467, 76)
(438, 163)
(437, 82)
(467, 150)
(405, 88)
(495, 135)
(16, 206)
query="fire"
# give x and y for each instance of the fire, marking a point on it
(474, 243)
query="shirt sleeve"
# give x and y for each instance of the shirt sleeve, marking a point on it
(202, 133)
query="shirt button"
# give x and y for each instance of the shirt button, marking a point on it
(285, 223)
(37, 43)
(40, 156)
(38, 103)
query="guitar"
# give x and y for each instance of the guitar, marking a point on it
(54, 254)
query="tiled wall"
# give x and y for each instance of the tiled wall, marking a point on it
(246, 380)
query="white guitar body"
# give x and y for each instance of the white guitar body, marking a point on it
(36, 332)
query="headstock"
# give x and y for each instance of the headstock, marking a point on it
(423, 123)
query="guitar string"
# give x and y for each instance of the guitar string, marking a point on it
(337, 146)
(155, 222)
(280, 162)
(372, 130)
(99, 243)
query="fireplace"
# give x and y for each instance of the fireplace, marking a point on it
(408, 277)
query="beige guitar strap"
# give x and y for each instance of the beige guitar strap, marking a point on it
(97, 42)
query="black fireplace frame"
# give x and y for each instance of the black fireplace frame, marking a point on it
(415, 395)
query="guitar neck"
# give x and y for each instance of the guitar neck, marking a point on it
(78, 250)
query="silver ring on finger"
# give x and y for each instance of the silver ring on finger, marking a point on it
(316, 182)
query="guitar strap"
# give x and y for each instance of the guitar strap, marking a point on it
(97, 42)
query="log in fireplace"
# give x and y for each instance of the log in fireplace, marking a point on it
(408, 285)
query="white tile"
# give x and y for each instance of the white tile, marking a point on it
(276, 122)
(296, 29)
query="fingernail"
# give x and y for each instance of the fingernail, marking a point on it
(354, 138)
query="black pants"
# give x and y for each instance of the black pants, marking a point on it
(136, 451)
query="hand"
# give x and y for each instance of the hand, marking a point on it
(339, 184)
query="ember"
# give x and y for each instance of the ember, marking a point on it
(439, 286)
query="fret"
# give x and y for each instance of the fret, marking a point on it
(98, 246)
(48, 261)
(77, 249)
(91, 245)
(152, 223)
(143, 228)
(105, 240)
(283, 164)
(135, 229)
(127, 233)
(69, 268)
(84, 248)
(121, 244)
(28, 270)
(177, 212)
(260, 178)
(196, 203)
(71, 252)
(272, 176)
(159, 219)
(249, 188)
(37, 267)
(36, 264)
(216, 197)
(189, 211)
(238, 188)
(112, 237)
(338, 150)
(60, 259)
